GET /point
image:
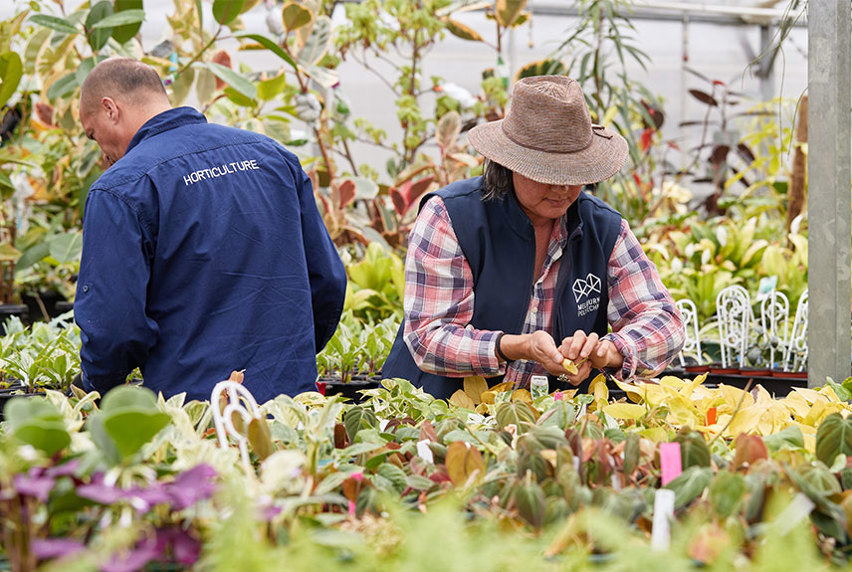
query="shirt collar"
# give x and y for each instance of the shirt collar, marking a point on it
(165, 121)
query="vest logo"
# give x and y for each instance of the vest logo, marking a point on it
(584, 289)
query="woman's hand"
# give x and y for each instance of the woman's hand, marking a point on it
(589, 347)
(539, 346)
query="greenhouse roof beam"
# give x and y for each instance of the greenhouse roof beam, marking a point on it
(664, 10)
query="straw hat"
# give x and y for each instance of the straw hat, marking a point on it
(548, 135)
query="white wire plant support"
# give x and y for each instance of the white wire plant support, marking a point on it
(733, 310)
(239, 401)
(692, 340)
(774, 317)
(797, 347)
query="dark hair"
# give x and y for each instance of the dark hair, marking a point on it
(125, 77)
(496, 181)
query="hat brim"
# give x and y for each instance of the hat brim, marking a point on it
(602, 159)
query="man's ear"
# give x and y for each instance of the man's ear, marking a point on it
(110, 109)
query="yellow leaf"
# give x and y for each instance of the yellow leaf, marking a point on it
(655, 434)
(570, 366)
(522, 395)
(635, 393)
(488, 396)
(624, 410)
(599, 390)
(690, 387)
(474, 386)
(745, 421)
(505, 386)
(460, 399)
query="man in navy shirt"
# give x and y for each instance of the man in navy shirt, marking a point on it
(203, 249)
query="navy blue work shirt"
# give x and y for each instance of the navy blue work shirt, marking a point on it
(203, 253)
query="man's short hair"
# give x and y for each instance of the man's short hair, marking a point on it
(121, 78)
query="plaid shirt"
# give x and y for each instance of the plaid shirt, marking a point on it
(647, 327)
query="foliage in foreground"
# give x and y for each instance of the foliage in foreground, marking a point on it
(499, 480)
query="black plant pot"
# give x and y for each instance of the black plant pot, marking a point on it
(351, 389)
(50, 299)
(9, 310)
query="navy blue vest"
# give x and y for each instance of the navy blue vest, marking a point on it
(498, 241)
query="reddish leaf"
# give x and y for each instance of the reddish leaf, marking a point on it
(745, 153)
(645, 139)
(222, 58)
(44, 112)
(418, 188)
(704, 97)
(347, 192)
(352, 488)
(427, 431)
(400, 205)
(341, 439)
(719, 154)
(749, 448)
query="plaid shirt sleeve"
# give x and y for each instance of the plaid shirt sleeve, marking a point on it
(647, 327)
(439, 301)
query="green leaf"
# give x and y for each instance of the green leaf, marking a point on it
(239, 99)
(32, 255)
(789, 438)
(224, 11)
(726, 493)
(517, 413)
(67, 247)
(54, 23)
(128, 419)
(295, 16)
(63, 86)
(124, 18)
(834, 436)
(463, 31)
(269, 88)
(37, 422)
(531, 503)
(358, 418)
(271, 46)
(232, 78)
(124, 32)
(318, 43)
(98, 36)
(11, 71)
(130, 429)
(8, 253)
(693, 449)
(690, 484)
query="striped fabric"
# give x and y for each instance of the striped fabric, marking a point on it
(647, 327)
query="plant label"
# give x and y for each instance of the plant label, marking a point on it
(424, 452)
(670, 461)
(664, 502)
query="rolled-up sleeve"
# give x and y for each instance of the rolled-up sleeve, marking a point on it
(647, 326)
(439, 301)
(110, 304)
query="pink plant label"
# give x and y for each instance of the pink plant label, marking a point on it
(670, 461)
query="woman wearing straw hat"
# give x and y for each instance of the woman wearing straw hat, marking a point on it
(510, 273)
